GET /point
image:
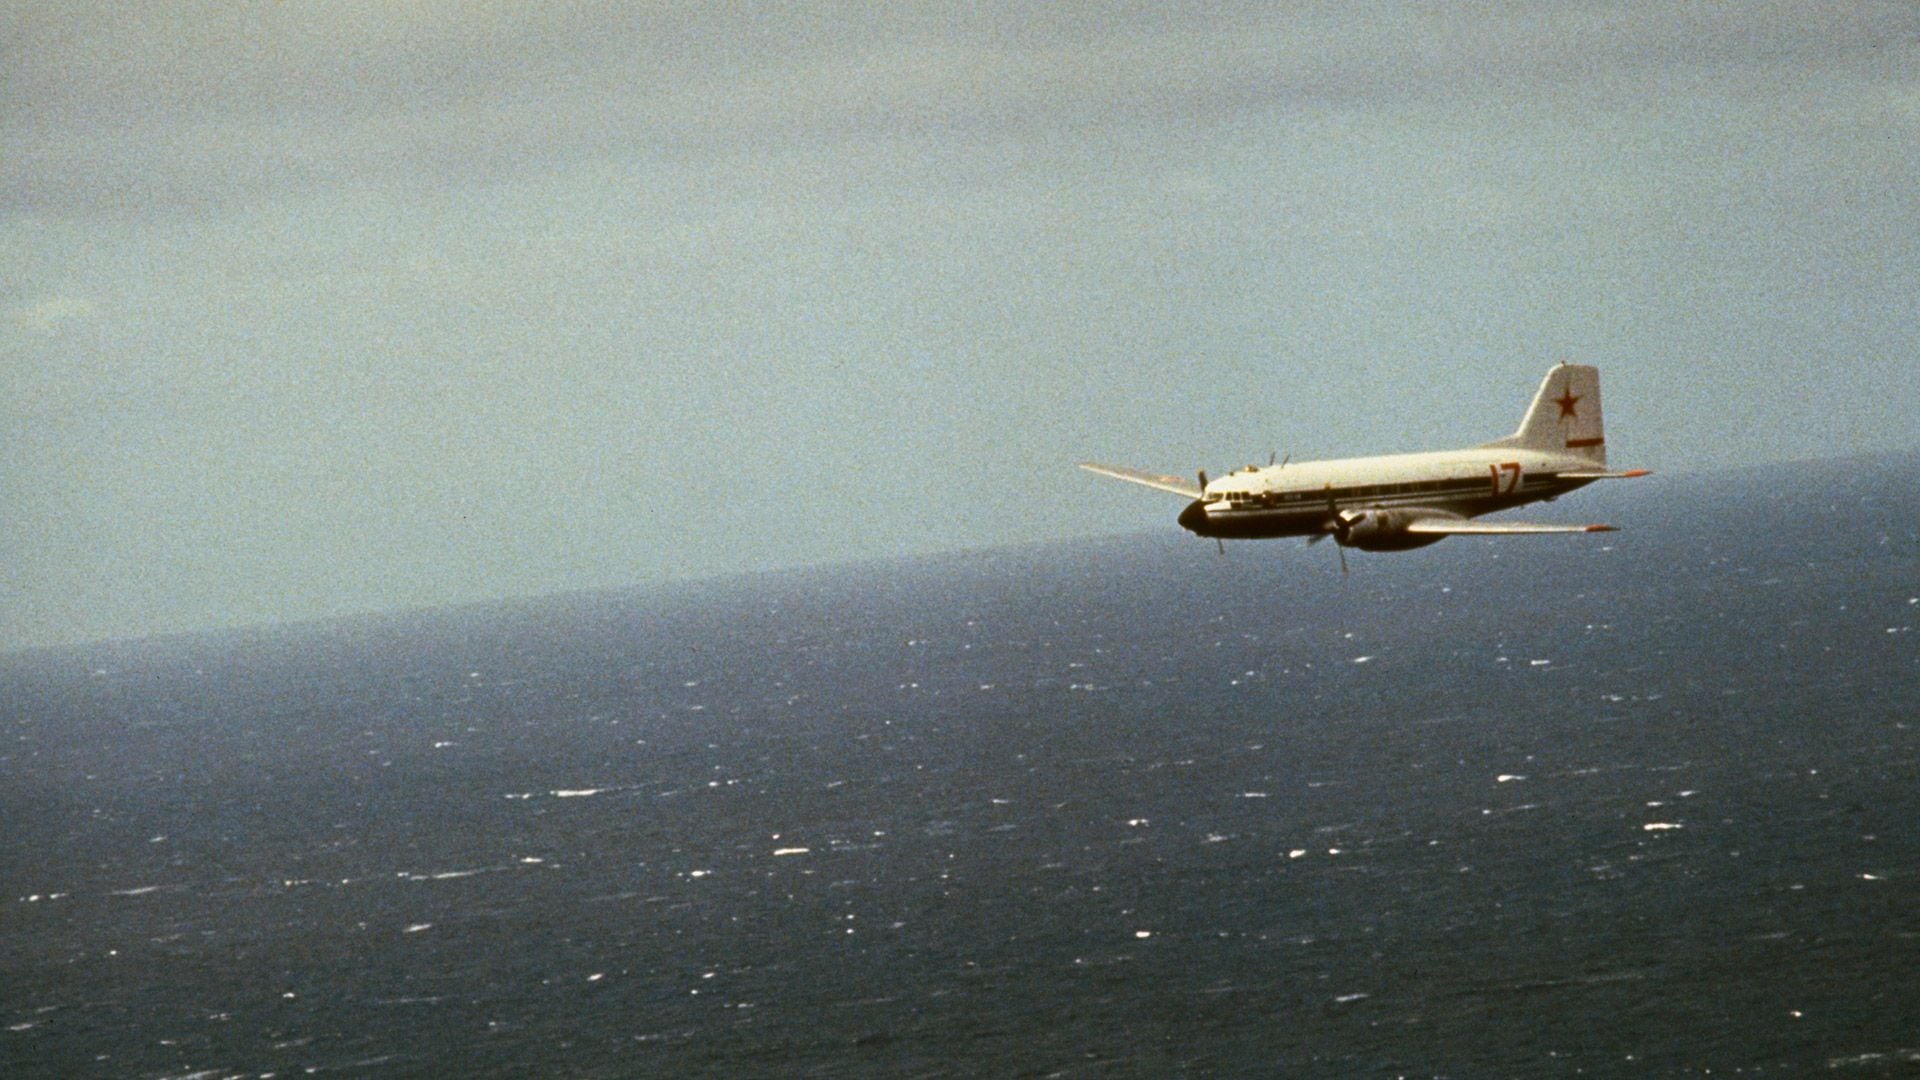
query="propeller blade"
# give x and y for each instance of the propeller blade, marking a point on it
(1337, 526)
(1336, 523)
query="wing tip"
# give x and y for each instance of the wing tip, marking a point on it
(1174, 484)
(1601, 528)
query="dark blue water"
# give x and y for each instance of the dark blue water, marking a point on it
(1641, 804)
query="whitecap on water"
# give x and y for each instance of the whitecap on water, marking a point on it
(1910, 1057)
(409, 875)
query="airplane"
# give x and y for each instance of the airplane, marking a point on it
(1401, 501)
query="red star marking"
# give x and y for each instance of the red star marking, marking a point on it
(1566, 402)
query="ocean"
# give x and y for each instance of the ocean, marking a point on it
(1641, 804)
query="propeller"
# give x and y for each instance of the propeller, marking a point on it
(1338, 527)
(1217, 542)
(1194, 517)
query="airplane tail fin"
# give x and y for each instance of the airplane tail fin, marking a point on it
(1564, 417)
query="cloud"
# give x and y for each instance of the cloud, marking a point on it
(123, 106)
(49, 315)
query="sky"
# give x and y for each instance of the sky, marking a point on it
(314, 309)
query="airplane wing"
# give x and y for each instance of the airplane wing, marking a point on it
(1446, 526)
(1153, 480)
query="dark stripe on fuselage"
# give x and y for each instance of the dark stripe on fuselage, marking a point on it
(1424, 489)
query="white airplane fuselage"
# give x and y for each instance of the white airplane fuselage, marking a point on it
(1299, 498)
(1400, 501)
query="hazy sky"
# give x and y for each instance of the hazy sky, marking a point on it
(316, 308)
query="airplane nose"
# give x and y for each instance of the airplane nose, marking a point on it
(1194, 517)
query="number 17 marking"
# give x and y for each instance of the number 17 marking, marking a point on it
(1512, 471)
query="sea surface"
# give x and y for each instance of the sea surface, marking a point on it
(1640, 804)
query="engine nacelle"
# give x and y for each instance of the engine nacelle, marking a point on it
(1382, 530)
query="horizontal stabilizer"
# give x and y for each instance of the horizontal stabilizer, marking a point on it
(1628, 475)
(1438, 526)
(1153, 480)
